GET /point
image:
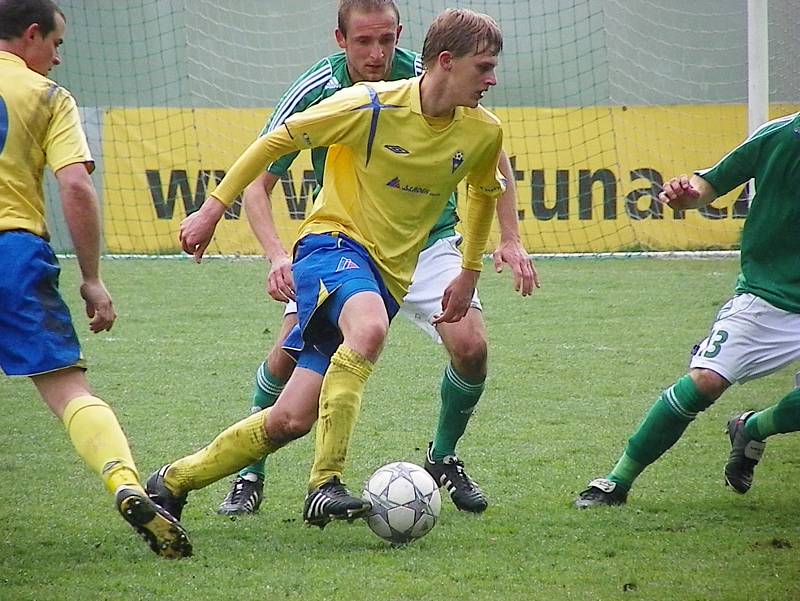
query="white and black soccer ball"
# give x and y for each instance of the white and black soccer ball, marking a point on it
(405, 502)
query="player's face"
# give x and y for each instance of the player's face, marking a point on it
(42, 54)
(369, 44)
(471, 76)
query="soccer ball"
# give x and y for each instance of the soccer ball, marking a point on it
(405, 502)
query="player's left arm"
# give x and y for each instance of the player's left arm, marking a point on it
(511, 250)
(69, 157)
(484, 186)
(82, 216)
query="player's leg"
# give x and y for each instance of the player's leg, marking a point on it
(232, 449)
(343, 308)
(247, 488)
(464, 376)
(742, 346)
(245, 441)
(661, 428)
(461, 389)
(364, 324)
(99, 440)
(748, 433)
(713, 366)
(37, 339)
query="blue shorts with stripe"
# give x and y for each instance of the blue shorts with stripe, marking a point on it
(328, 269)
(36, 331)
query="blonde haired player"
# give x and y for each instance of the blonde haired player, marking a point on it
(367, 33)
(357, 249)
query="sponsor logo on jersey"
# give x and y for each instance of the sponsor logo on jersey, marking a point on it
(395, 183)
(345, 263)
(396, 149)
(333, 83)
(307, 139)
(458, 158)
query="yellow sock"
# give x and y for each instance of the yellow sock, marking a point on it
(238, 446)
(100, 441)
(339, 406)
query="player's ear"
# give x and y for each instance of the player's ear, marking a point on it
(341, 39)
(445, 60)
(399, 31)
(32, 31)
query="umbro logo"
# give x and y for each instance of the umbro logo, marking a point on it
(396, 149)
(345, 263)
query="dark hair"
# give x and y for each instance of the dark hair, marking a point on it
(366, 6)
(461, 32)
(17, 15)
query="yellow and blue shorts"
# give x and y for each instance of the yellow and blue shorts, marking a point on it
(36, 331)
(328, 269)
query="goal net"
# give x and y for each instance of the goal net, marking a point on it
(601, 101)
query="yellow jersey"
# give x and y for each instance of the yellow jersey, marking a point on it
(388, 173)
(39, 124)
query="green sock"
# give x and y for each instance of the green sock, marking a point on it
(781, 418)
(265, 392)
(625, 472)
(459, 398)
(661, 428)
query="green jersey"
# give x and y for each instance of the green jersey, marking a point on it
(321, 81)
(770, 255)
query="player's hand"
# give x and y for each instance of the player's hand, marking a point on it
(678, 193)
(99, 308)
(457, 297)
(198, 228)
(513, 254)
(280, 281)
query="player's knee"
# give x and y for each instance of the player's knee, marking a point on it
(285, 426)
(469, 356)
(368, 339)
(709, 383)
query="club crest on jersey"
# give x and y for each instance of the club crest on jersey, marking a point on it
(458, 158)
(345, 263)
(396, 149)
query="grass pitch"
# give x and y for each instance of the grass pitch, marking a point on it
(572, 371)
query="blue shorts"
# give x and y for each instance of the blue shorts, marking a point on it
(36, 332)
(328, 269)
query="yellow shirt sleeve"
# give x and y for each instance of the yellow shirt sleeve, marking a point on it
(332, 121)
(65, 143)
(485, 185)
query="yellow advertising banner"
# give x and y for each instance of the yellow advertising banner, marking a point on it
(586, 178)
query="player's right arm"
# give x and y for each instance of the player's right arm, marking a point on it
(258, 207)
(329, 122)
(734, 169)
(687, 192)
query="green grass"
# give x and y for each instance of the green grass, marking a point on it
(572, 371)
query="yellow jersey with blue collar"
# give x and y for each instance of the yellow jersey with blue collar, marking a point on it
(39, 124)
(389, 171)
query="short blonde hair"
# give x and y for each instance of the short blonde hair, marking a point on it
(365, 6)
(461, 31)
